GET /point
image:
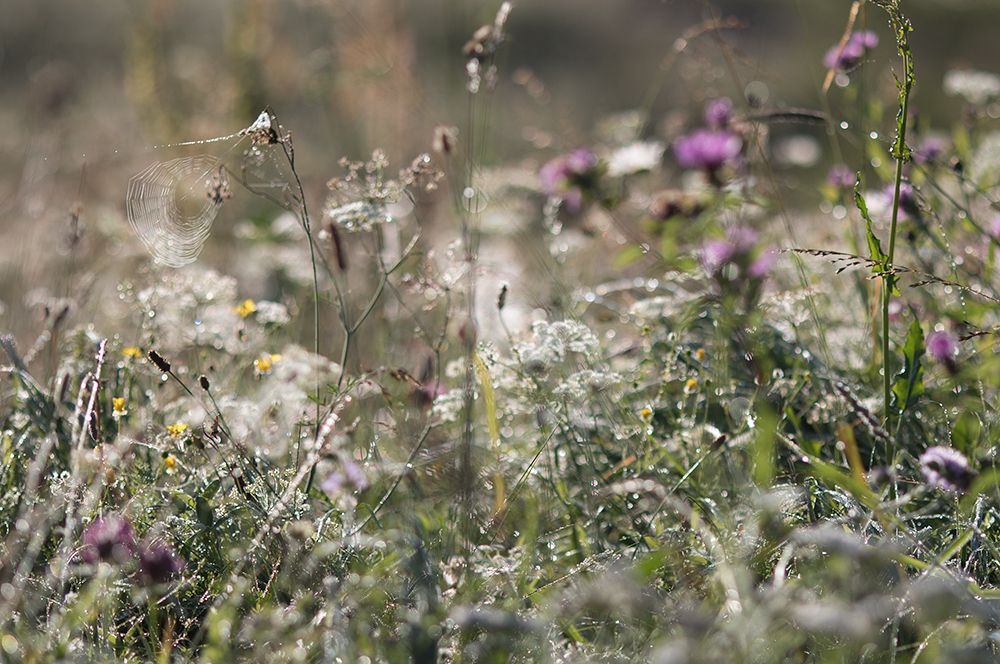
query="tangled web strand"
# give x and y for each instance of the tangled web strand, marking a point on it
(171, 206)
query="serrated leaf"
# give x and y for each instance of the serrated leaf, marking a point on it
(910, 381)
(874, 246)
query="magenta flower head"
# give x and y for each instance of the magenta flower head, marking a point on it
(841, 176)
(931, 149)
(108, 538)
(718, 112)
(572, 177)
(943, 347)
(158, 563)
(708, 150)
(848, 58)
(947, 469)
(351, 476)
(736, 257)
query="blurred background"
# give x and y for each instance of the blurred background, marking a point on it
(90, 88)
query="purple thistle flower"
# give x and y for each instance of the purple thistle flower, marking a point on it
(841, 176)
(946, 468)
(854, 50)
(943, 347)
(158, 563)
(108, 538)
(718, 112)
(738, 248)
(351, 475)
(570, 176)
(930, 149)
(707, 149)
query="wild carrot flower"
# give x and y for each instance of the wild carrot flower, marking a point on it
(848, 58)
(573, 177)
(635, 158)
(946, 468)
(108, 538)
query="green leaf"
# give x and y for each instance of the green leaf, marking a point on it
(211, 490)
(629, 254)
(910, 381)
(203, 510)
(874, 246)
(965, 435)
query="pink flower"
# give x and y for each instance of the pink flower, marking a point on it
(571, 176)
(947, 469)
(108, 538)
(853, 52)
(708, 149)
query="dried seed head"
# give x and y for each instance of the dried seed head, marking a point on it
(203, 381)
(502, 298)
(445, 139)
(158, 360)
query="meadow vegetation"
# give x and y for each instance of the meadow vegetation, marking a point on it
(706, 419)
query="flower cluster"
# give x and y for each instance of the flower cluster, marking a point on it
(947, 469)
(850, 56)
(712, 147)
(110, 539)
(572, 177)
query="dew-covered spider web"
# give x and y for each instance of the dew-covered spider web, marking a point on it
(171, 204)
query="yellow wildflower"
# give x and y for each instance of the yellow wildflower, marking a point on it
(245, 309)
(690, 385)
(132, 351)
(646, 414)
(177, 429)
(700, 354)
(118, 407)
(170, 463)
(264, 363)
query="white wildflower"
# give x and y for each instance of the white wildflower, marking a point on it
(977, 87)
(635, 158)
(272, 313)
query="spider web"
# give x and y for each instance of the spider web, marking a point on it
(171, 204)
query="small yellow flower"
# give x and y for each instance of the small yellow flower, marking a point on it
(646, 414)
(132, 351)
(177, 429)
(264, 363)
(118, 408)
(170, 463)
(690, 385)
(700, 354)
(245, 309)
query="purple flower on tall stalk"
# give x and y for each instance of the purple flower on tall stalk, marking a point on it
(854, 50)
(733, 258)
(947, 468)
(351, 475)
(108, 538)
(943, 347)
(571, 176)
(841, 176)
(708, 149)
(718, 112)
(158, 563)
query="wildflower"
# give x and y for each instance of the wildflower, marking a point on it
(690, 385)
(118, 408)
(841, 176)
(943, 347)
(351, 475)
(930, 149)
(132, 351)
(849, 57)
(700, 354)
(708, 150)
(947, 469)
(573, 177)
(265, 363)
(646, 414)
(108, 538)
(977, 87)
(176, 430)
(907, 198)
(718, 112)
(158, 563)
(739, 242)
(635, 158)
(245, 309)
(170, 464)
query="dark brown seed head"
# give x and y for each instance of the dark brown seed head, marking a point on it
(158, 360)
(203, 381)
